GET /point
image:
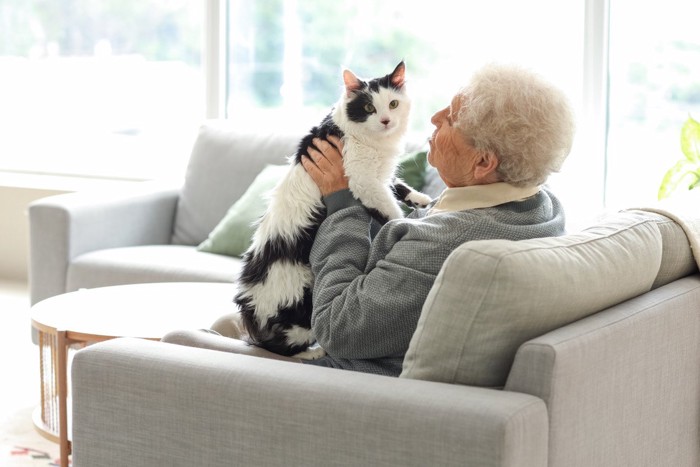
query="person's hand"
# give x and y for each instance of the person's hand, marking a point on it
(325, 165)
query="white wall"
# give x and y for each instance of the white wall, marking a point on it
(14, 229)
(17, 191)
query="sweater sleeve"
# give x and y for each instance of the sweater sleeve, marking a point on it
(339, 200)
(363, 310)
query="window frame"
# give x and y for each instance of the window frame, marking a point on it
(594, 121)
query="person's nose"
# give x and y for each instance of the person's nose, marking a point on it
(435, 119)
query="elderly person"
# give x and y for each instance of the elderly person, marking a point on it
(494, 146)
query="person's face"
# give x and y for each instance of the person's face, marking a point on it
(450, 152)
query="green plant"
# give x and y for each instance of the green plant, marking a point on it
(685, 172)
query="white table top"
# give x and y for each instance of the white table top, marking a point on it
(137, 310)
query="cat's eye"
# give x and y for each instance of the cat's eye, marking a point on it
(369, 108)
(393, 104)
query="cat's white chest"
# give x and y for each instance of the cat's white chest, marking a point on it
(369, 163)
(370, 172)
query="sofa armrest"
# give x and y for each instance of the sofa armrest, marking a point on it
(621, 386)
(64, 226)
(168, 405)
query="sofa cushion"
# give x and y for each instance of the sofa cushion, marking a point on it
(493, 295)
(224, 162)
(676, 255)
(234, 234)
(153, 263)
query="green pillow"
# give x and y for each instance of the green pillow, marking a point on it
(234, 233)
(411, 169)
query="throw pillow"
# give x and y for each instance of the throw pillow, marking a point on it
(223, 163)
(234, 233)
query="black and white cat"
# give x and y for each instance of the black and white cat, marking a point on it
(274, 288)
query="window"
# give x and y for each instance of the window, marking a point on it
(286, 57)
(109, 88)
(115, 88)
(654, 86)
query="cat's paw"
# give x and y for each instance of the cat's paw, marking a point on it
(312, 353)
(418, 199)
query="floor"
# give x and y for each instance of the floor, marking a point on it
(19, 393)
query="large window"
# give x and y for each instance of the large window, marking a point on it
(286, 57)
(654, 87)
(117, 88)
(108, 88)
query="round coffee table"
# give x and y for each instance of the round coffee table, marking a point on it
(69, 321)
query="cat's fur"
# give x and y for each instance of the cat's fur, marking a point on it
(274, 288)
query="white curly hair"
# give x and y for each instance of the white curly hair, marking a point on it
(524, 120)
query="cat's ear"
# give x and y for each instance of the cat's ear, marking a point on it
(352, 82)
(398, 76)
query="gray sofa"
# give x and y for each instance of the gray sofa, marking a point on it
(575, 351)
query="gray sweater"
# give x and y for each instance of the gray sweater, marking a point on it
(371, 283)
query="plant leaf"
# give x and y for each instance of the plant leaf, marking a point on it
(674, 176)
(690, 140)
(696, 183)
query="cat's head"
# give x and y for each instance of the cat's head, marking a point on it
(377, 108)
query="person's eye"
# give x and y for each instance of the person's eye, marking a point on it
(393, 104)
(369, 108)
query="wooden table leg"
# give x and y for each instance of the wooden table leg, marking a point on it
(63, 397)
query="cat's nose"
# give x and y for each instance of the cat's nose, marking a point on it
(385, 121)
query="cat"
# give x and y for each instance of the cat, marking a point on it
(274, 287)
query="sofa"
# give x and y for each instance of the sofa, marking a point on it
(575, 351)
(580, 350)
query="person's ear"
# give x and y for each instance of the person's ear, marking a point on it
(486, 165)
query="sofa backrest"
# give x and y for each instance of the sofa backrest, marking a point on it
(491, 296)
(676, 255)
(224, 162)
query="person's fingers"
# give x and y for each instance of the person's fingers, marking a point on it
(329, 151)
(337, 142)
(316, 156)
(324, 164)
(308, 163)
(312, 169)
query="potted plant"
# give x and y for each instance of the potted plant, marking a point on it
(685, 172)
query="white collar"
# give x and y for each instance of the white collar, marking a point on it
(480, 196)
